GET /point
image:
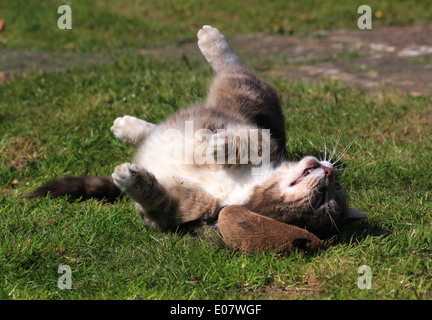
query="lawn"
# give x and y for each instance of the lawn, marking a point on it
(57, 123)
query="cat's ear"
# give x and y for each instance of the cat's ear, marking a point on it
(353, 215)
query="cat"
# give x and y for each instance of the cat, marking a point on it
(229, 151)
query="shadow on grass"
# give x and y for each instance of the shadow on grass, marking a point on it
(356, 232)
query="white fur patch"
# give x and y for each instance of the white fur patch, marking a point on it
(172, 165)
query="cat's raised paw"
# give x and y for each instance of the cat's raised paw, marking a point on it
(208, 37)
(216, 49)
(124, 175)
(131, 130)
(123, 128)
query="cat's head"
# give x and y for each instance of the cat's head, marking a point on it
(308, 194)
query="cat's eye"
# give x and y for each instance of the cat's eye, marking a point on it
(307, 171)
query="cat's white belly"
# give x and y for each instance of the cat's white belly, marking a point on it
(232, 185)
(229, 186)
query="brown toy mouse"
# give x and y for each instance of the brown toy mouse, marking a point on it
(250, 232)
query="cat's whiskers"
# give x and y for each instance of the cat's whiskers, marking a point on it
(345, 150)
(333, 223)
(336, 145)
(325, 197)
(310, 201)
(333, 152)
(293, 204)
(339, 166)
(351, 168)
(322, 197)
(325, 148)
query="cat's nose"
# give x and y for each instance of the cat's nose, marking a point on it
(328, 171)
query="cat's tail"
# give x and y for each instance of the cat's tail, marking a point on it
(83, 188)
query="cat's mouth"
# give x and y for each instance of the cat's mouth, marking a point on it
(325, 194)
(324, 198)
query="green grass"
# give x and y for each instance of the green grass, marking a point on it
(58, 123)
(48, 131)
(111, 24)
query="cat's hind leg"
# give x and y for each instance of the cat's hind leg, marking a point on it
(131, 130)
(159, 207)
(216, 49)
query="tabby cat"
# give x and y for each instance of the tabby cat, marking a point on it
(230, 150)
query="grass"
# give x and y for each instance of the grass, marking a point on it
(54, 124)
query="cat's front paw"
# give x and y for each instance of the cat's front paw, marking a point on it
(126, 128)
(216, 147)
(124, 175)
(122, 128)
